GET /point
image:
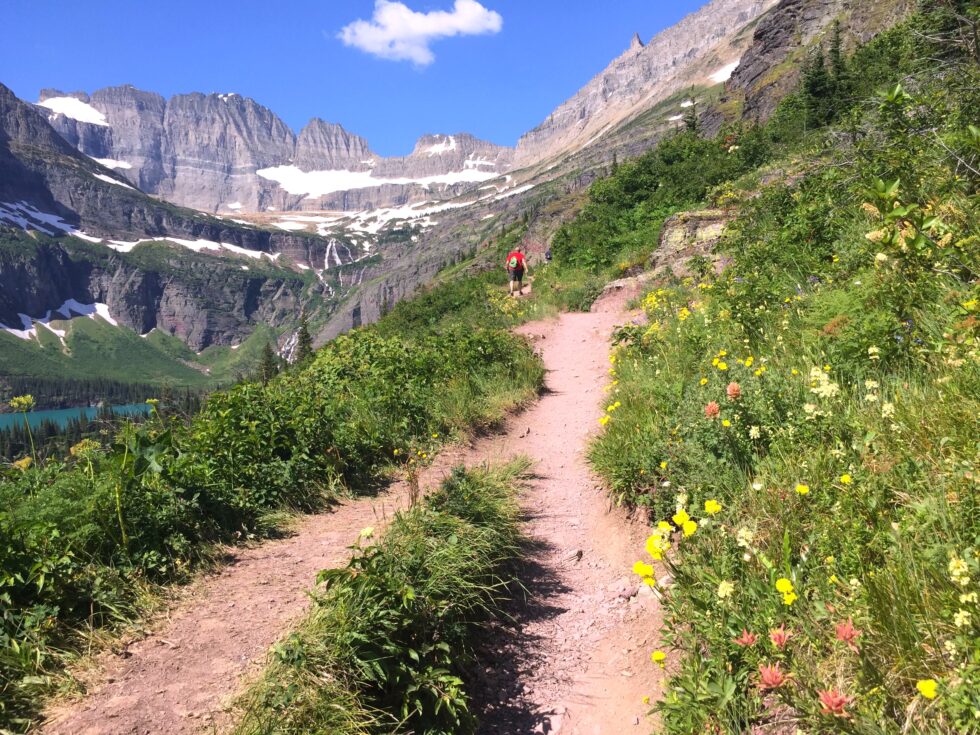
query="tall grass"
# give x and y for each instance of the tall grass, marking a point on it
(385, 647)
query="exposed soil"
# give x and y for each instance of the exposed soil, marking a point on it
(575, 658)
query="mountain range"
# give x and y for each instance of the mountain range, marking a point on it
(204, 216)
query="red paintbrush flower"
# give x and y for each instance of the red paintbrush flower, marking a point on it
(771, 677)
(780, 636)
(712, 410)
(746, 639)
(847, 633)
(734, 391)
(834, 703)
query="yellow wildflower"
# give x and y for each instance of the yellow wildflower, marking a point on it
(802, 489)
(658, 657)
(726, 423)
(927, 688)
(789, 598)
(846, 479)
(704, 381)
(725, 589)
(604, 420)
(689, 527)
(711, 507)
(723, 366)
(681, 517)
(784, 585)
(643, 569)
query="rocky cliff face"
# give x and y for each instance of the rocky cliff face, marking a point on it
(766, 73)
(203, 301)
(209, 281)
(691, 51)
(227, 153)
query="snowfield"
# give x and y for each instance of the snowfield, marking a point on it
(75, 109)
(315, 184)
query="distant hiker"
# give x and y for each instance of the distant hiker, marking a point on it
(516, 267)
(547, 255)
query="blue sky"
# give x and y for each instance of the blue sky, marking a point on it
(288, 56)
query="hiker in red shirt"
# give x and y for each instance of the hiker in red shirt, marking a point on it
(516, 268)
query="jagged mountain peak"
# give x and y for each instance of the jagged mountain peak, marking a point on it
(636, 43)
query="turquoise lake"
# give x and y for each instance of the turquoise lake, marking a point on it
(62, 416)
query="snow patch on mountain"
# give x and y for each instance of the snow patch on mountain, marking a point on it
(112, 163)
(446, 146)
(110, 180)
(75, 109)
(67, 311)
(723, 74)
(316, 184)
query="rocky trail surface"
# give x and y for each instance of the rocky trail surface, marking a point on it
(573, 659)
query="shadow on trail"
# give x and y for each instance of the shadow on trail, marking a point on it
(507, 651)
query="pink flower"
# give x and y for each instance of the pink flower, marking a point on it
(847, 633)
(780, 636)
(734, 391)
(834, 703)
(747, 639)
(771, 677)
(712, 410)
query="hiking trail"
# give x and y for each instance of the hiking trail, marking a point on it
(573, 660)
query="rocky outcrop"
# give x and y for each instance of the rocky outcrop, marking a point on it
(642, 73)
(767, 70)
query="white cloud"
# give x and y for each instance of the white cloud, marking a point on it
(397, 32)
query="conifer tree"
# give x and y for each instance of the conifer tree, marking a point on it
(269, 365)
(304, 342)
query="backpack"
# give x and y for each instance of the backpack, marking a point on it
(513, 262)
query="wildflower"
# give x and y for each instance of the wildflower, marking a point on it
(834, 703)
(658, 657)
(927, 688)
(681, 517)
(725, 589)
(656, 546)
(874, 353)
(754, 432)
(703, 381)
(24, 464)
(153, 402)
(962, 619)
(780, 637)
(784, 585)
(749, 360)
(646, 699)
(367, 532)
(397, 452)
(968, 598)
(689, 527)
(846, 479)
(643, 569)
(871, 384)
(723, 366)
(435, 436)
(771, 677)
(880, 259)
(847, 633)
(871, 398)
(663, 465)
(789, 598)
(726, 423)
(887, 410)
(802, 489)
(712, 410)
(22, 404)
(683, 314)
(734, 391)
(760, 371)
(794, 371)
(665, 527)
(746, 640)
(604, 420)
(711, 507)
(959, 571)
(744, 537)
(84, 448)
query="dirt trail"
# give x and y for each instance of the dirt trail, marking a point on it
(576, 659)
